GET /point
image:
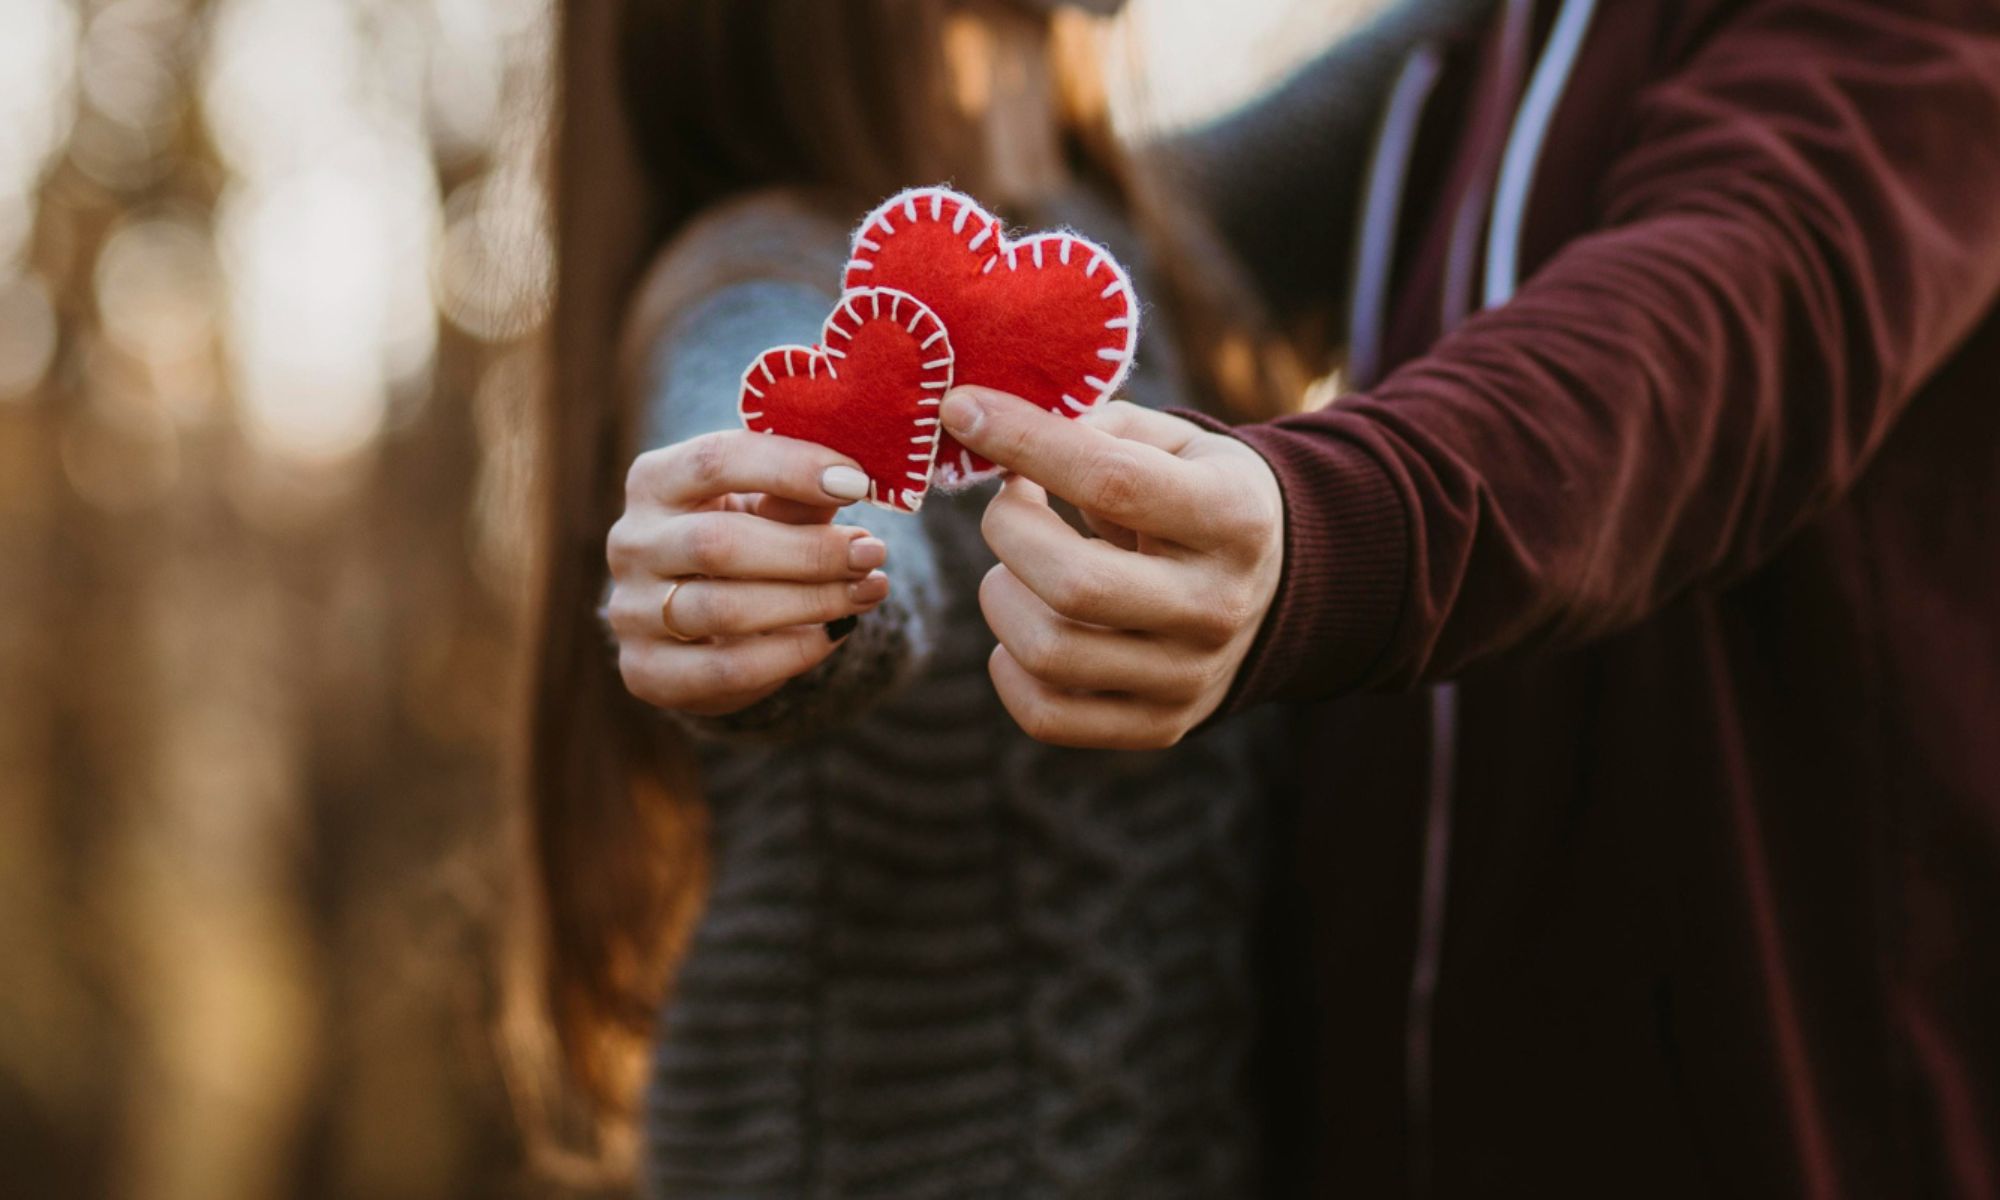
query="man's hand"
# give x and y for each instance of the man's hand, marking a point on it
(1130, 640)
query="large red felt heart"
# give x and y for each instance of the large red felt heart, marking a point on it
(870, 390)
(1050, 317)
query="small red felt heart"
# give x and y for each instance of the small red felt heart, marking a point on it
(1050, 317)
(870, 390)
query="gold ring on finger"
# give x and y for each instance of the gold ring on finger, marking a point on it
(667, 613)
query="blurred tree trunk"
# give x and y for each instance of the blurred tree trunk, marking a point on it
(253, 829)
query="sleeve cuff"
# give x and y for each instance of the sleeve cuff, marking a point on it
(1346, 567)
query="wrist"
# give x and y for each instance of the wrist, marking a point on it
(1344, 573)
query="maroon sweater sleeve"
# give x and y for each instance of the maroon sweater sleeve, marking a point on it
(1805, 222)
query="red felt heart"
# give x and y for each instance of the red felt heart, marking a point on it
(870, 390)
(1050, 317)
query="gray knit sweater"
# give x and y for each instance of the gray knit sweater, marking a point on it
(940, 959)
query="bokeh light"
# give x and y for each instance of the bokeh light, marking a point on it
(263, 542)
(496, 268)
(126, 66)
(284, 82)
(329, 305)
(327, 230)
(37, 60)
(477, 43)
(157, 287)
(1177, 63)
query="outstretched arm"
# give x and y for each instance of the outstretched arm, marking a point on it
(1801, 233)
(809, 611)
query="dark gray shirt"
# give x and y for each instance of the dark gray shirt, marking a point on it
(940, 958)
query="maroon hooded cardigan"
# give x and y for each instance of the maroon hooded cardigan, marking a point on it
(1705, 523)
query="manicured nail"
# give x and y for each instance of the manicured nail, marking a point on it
(836, 630)
(961, 411)
(871, 590)
(866, 553)
(844, 483)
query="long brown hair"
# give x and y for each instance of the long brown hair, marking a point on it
(670, 107)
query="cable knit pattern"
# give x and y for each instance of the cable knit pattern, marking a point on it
(943, 960)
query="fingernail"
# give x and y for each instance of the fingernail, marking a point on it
(871, 590)
(836, 630)
(844, 483)
(866, 553)
(961, 411)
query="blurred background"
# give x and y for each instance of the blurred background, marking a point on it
(272, 279)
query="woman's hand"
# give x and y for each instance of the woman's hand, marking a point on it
(1130, 641)
(742, 522)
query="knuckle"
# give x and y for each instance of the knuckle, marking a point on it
(710, 543)
(636, 670)
(1186, 678)
(1144, 738)
(621, 546)
(1009, 438)
(1214, 623)
(708, 460)
(1113, 481)
(639, 477)
(990, 520)
(1238, 608)
(1163, 736)
(1041, 652)
(724, 675)
(1214, 626)
(1247, 511)
(1078, 590)
(615, 616)
(832, 602)
(705, 609)
(1152, 729)
(1265, 514)
(1025, 702)
(1221, 617)
(992, 589)
(1039, 718)
(991, 585)
(1239, 512)
(829, 552)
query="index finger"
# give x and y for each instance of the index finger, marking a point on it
(737, 460)
(1136, 485)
